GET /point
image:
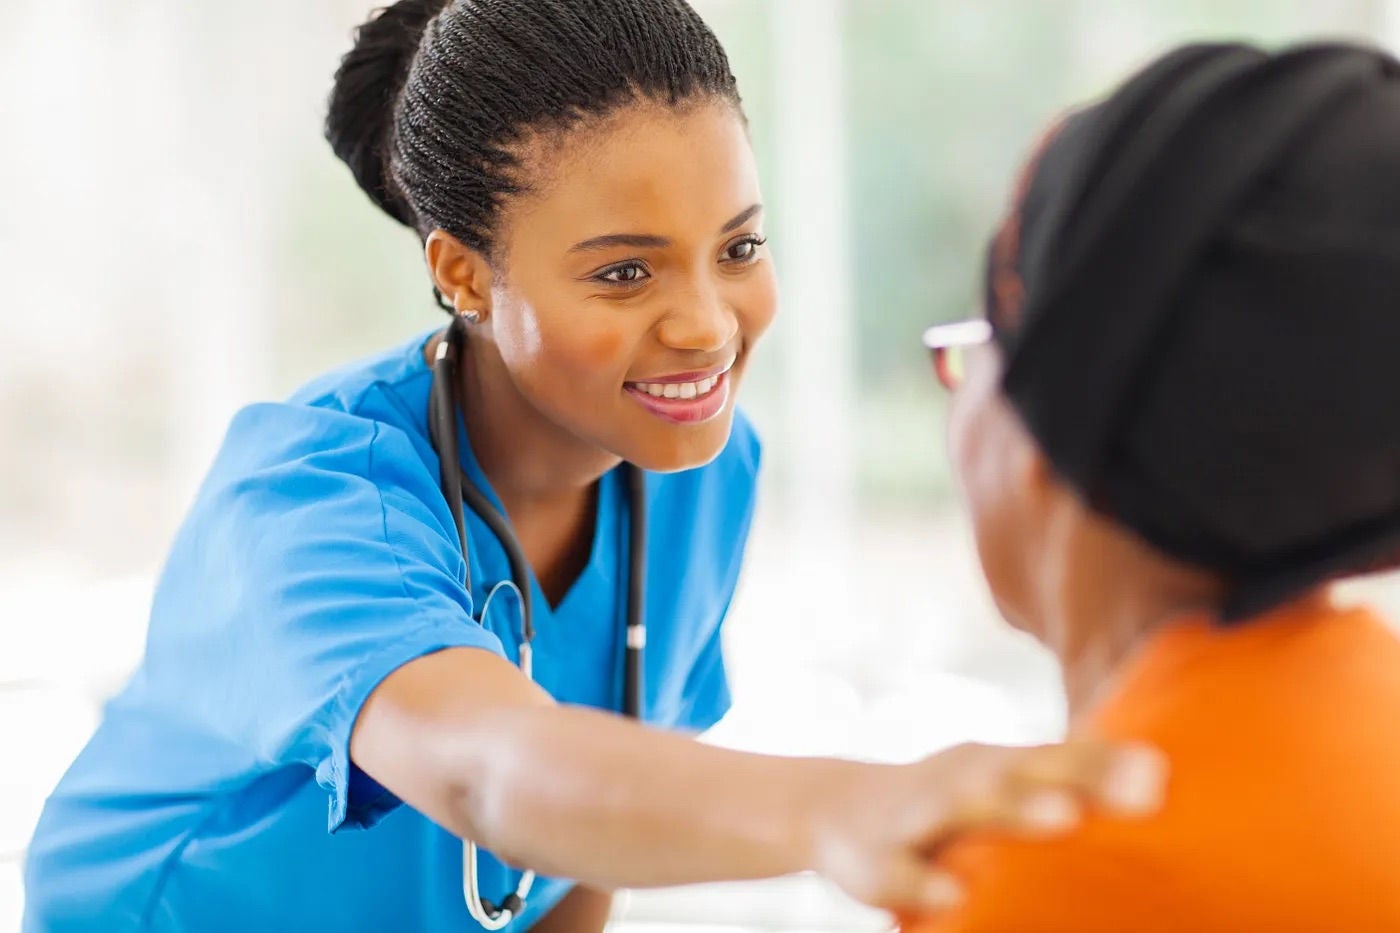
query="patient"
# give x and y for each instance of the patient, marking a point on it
(1178, 426)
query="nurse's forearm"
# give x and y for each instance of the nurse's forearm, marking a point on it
(577, 793)
(464, 738)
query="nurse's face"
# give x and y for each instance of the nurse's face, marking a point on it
(633, 282)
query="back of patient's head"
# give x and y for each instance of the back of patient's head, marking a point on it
(1197, 300)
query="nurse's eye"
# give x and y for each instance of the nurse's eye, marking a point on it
(744, 250)
(630, 273)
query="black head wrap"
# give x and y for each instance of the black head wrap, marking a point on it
(1198, 297)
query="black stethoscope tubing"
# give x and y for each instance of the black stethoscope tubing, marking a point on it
(457, 489)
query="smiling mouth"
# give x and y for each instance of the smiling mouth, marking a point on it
(680, 390)
(687, 399)
(685, 387)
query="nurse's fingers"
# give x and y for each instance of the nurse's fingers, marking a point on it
(878, 830)
(1044, 790)
(905, 884)
(923, 890)
(1125, 779)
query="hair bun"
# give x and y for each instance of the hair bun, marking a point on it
(367, 85)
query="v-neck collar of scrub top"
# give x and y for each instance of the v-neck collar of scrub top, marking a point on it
(593, 599)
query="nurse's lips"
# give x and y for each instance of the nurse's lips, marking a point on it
(684, 398)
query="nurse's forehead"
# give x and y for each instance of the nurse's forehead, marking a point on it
(648, 170)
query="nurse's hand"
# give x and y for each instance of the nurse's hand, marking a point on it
(879, 832)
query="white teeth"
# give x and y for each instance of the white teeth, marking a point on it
(686, 391)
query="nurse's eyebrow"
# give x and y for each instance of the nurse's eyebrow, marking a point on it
(637, 240)
(647, 241)
(744, 217)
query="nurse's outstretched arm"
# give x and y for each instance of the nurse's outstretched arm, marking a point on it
(465, 738)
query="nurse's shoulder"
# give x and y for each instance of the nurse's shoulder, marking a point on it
(396, 377)
(365, 418)
(318, 556)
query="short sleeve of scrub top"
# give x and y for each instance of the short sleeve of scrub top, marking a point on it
(320, 556)
(341, 568)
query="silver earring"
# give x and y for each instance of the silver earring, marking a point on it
(470, 317)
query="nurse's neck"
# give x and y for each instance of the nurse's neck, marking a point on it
(546, 477)
(528, 458)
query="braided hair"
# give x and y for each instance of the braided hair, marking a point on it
(431, 105)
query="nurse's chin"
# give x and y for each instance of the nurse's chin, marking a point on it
(673, 448)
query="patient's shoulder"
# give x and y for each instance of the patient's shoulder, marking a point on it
(1083, 884)
(1283, 742)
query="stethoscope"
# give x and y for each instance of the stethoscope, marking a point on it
(458, 488)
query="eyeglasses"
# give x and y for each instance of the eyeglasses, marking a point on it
(948, 342)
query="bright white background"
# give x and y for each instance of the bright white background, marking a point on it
(176, 240)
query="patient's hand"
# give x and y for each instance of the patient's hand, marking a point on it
(877, 834)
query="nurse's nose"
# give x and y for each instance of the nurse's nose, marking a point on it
(700, 320)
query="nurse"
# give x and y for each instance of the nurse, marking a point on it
(325, 710)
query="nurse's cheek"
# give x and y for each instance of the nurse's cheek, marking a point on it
(603, 351)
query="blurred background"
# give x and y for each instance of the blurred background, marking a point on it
(176, 240)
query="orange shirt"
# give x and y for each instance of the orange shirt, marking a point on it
(1283, 805)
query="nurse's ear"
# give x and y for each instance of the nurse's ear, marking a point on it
(463, 276)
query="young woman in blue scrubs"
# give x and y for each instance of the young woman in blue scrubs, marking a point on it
(580, 177)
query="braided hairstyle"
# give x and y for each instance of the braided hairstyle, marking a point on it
(431, 105)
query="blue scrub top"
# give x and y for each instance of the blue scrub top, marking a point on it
(318, 557)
